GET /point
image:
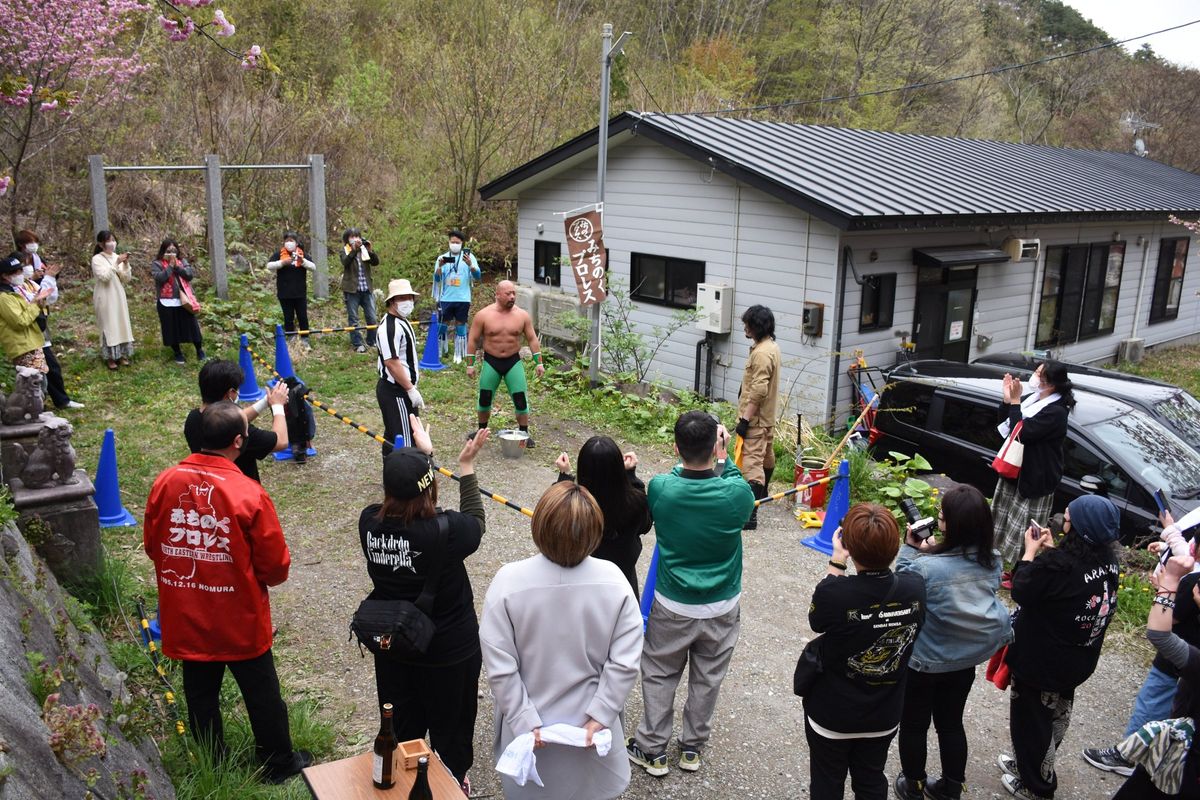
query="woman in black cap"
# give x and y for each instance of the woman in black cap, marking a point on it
(1068, 594)
(407, 545)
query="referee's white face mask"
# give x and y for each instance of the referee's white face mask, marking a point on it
(405, 307)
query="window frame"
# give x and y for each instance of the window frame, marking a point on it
(1084, 284)
(1160, 311)
(883, 285)
(543, 245)
(670, 286)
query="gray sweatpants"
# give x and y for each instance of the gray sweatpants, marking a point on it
(672, 642)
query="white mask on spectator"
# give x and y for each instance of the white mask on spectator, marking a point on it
(28, 271)
(110, 246)
(289, 245)
(32, 247)
(405, 307)
(455, 247)
(15, 278)
(1035, 383)
(355, 241)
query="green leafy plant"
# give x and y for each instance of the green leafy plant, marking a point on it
(889, 482)
(42, 678)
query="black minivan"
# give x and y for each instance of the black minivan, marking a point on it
(1170, 405)
(947, 412)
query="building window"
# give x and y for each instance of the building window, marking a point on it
(1168, 280)
(1080, 289)
(547, 263)
(665, 281)
(878, 299)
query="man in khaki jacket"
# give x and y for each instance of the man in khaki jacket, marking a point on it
(757, 401)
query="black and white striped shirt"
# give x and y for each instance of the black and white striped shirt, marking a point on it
(396, 340)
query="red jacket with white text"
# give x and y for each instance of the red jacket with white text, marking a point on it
(216, 545)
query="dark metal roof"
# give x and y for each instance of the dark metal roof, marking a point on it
(958, 255)
(858, 179)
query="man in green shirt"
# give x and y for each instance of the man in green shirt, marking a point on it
(699, 509)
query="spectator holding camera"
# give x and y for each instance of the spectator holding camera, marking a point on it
(868, 622)
(696, 616)
(965, 623)
(219, 381)
(1177, 772)
(1068, 595)
(173, 276)
(357, 259)
(291, 284)
(40, 275)
(453, 273)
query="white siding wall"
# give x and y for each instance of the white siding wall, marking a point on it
(661, 203)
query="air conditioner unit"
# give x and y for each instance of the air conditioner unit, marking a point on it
(1023, 249)
(1130, 351)
(714, 307)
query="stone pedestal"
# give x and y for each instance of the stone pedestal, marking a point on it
(69, 539)
(26, 435)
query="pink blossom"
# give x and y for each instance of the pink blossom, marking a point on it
(224, 26)
(183, 31)
(250, 59)
(5, 182)
(169, 25)
(48, 105)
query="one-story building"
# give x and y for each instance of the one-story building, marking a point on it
(886, 243)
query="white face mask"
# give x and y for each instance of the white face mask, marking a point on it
(32, 247)
(355, 242)
(289, 245)
(455, 247)
(110, 246)
(1035, 383)
(405, 307)
(15, 278)
(28, 272)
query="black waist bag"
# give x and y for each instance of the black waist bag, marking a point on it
(400, 629)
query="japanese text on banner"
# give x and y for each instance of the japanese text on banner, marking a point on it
(589, 259)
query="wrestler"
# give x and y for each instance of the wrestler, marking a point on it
(496, 331)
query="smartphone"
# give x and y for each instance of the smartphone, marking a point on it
(1160, 499)
(1036, 525)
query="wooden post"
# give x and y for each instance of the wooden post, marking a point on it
(316, 222)
(216, 224)
(99, 194)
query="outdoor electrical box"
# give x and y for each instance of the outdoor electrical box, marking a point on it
(811, 322)
(1023, 249)
(714, 307)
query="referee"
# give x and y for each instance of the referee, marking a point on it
(397, 390)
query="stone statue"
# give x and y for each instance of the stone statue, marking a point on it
(52, 460)
(27, 402)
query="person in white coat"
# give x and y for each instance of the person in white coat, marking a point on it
(562, 641)
(112, 272)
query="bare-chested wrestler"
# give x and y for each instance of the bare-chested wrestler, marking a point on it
(496, 331)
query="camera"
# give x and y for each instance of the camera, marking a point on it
(922, 527)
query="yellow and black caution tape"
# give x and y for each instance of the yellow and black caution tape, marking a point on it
(169, 690)
(377, 437)
(794, 489)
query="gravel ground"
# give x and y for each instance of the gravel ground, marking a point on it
(757, 749)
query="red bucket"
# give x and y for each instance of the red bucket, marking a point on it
(812, 498)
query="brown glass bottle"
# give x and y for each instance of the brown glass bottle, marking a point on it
(421, 790)
(385, 748)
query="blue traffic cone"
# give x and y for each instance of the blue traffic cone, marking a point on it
(283, 359)
(430, 359)
(249, 391)
(648, 588)
(108, 490)
(839, 505)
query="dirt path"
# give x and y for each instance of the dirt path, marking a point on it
(757, 749)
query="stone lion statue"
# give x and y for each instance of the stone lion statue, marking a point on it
(52, 460)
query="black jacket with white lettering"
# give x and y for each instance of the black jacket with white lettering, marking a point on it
(1067, 596)
(400, 557)
(868, 623)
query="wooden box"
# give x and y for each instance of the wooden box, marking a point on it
(411, 751)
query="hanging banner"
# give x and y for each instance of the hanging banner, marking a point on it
(589, 260)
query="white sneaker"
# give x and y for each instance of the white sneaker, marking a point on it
(73, 404)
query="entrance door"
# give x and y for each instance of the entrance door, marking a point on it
(945, 307)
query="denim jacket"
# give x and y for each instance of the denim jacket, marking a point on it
(965, 622)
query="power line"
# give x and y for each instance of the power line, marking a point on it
(941, 82)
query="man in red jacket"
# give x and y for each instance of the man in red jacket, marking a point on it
(216, 545)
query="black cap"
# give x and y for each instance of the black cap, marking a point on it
(11, 263)
(406, 473)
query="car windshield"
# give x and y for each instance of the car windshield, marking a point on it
(1182, 413)
(1158, 456)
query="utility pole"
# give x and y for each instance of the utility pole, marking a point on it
(608, 51)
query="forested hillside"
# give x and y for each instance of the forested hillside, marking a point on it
(415, 103)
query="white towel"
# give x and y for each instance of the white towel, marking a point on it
(519, 762)
(1030, 406)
